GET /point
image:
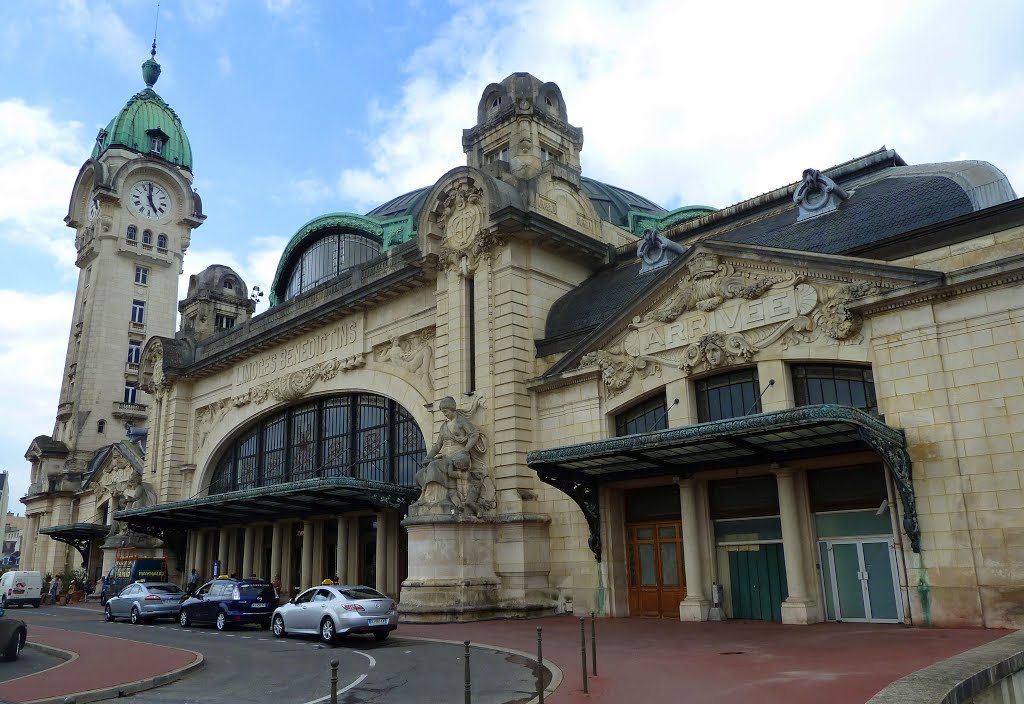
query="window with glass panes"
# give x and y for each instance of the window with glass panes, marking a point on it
(644, 417)
(138, 311)
(130, 392)
(355, 435)
(141, 275)
(728, 395)
(843, 385)
(134, 351)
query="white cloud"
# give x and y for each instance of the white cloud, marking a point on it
(309, 189)
(224, 64)
(710, 102)
(203, 13)
(283, 7)
(38, 150)
(99, 26)
(33, 343)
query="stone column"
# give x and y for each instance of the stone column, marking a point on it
(306, 580)
(248, 548)
(287, 553)
(392, 559)
(380, 566)
(222, 549)
(28, 544)
(318, 552)
(798, 607)
(199, 558)
(275, 554)
(341, 550)
(695, 606)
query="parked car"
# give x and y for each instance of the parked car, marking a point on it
(129, 569)
(144, 602)
(228, 602)
(20, 587)
(13, 634)
(330, 611)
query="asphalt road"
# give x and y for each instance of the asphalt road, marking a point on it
(250, 665)
(30, 661)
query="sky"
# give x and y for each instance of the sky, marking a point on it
(295, 108)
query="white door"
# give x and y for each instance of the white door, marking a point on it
(860, 580)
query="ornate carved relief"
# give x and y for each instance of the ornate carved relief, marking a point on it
(415, 355)
(817, 194)
(462, 218)
(286, 388)
(455, 478)
(719, 315)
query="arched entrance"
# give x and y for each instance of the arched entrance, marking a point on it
(300, 492)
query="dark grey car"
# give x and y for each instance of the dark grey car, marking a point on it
(145, 601)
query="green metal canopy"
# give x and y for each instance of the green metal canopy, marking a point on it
(77, 535)
(777, 436)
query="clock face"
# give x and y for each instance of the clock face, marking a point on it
(94, 208)
(149, 200)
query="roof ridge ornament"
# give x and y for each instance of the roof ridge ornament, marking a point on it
(656, 251)
(817, 194)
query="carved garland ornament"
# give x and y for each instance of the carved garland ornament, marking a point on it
(709, 284)
(287, 388)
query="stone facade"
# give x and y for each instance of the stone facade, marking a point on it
(510, 331)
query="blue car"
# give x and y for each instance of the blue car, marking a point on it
(226, 602)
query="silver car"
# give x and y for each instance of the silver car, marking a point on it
(333, 610)
(144, 601)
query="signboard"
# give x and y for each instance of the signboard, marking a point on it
(216, 568)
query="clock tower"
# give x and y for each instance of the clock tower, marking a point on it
(133, 210)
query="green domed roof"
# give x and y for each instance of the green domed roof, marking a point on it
(144, 116)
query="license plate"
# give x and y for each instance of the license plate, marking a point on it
(19, 591)
(259, 606)
(376, 622)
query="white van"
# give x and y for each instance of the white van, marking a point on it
(18, 588)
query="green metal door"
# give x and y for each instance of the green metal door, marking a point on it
(758, 582)
(859, 580)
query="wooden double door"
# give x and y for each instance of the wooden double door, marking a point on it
(654, 551)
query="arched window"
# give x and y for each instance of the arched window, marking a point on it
(229, 284)
(133, 233)
(161, 241)
(147, 237)
(645, 417)
(364, 436)
(728, 395)
(101, 425)
(327, 258)
(843, 385)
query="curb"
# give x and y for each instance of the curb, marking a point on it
(555, 670)
(65, 655)
(121, 690)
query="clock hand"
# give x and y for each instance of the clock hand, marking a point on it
(150, 197)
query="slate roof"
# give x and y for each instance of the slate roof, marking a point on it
(875, 212)
(611, 203)
(886, 201)
(48, 445)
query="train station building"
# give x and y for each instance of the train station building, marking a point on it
(520, 391)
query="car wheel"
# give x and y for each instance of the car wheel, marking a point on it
(183, 620)
(135, 616)
(277, 626)
(222, 621)
(108, 615)
(381, 635)
(35, 604)
(327, 632)
(14, 645)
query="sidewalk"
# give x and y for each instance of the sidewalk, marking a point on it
(103, 668)
(714, 663)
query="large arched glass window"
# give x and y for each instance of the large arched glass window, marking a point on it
(845, 385)
(364, 436)
(327, 257)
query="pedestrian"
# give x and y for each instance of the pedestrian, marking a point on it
(193, 581)
(277, 582)
(54, 588)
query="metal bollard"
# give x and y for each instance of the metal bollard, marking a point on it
(593, 644)
(540, 669)
(583, 651)
(469, 694)
(334, 682)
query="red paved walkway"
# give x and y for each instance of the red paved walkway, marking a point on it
(660, 661)
(102, 662)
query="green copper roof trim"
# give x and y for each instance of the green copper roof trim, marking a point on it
(640, 221)
(390, 233)
(144, 113)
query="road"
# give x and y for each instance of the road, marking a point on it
(249, 664)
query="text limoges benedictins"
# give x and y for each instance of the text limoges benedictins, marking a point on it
(341, 339)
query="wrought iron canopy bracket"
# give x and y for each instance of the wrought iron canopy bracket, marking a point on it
(175, 539)
(585, 493)
(891, 446)
(79, 544)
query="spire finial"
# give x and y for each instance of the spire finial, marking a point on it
(151, 69)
